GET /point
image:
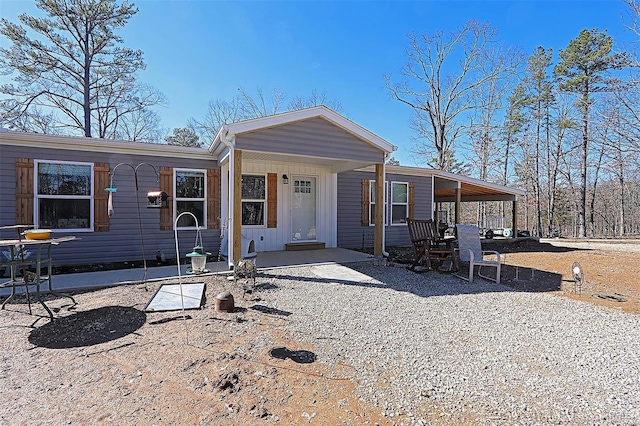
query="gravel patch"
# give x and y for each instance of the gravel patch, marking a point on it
(432, 346)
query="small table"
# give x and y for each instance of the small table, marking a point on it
(17, 260)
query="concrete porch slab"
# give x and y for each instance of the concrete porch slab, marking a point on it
(264, 260)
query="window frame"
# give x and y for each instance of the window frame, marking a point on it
(406, 203)
(37, 196)
(256, 200)
(202, 225)
(372, 202)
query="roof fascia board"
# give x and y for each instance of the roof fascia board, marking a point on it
(496, 197)
(401, 170)
(466, 179)
(37, 140)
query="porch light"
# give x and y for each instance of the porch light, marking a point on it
(157, 199)
(285, 179)
(198, 260)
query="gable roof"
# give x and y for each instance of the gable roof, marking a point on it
(228, 131)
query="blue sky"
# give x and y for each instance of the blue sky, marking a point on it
(201, 50)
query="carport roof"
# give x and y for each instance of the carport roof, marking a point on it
(471, 189)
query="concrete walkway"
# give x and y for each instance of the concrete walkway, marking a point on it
(265, 260)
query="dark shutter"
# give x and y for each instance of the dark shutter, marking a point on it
(272, 200)
(100, 197)
(24, 191)
(166, 185)
(213, 199)
(411, 199)
(365, 202)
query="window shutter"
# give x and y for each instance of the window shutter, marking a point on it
(272, 200)
(365, 202)
(24, 191)
(166, 185)
(411, 199)
(213, 198)
(100, 197)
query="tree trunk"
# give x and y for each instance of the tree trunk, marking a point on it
(536, 178)
(86, 84)
(582, 207)
(592, 201)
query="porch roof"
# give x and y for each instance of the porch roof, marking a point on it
(315, 135)
(471, 189)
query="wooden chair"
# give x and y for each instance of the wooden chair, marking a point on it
(470, 250)
(427, 248)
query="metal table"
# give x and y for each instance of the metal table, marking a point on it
(18, 261)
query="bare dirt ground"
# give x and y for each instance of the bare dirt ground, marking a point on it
(105, 361)
(611, 269)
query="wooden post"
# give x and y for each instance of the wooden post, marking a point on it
(458, 202)
(514, 213)
(379, 219)
(237, 205)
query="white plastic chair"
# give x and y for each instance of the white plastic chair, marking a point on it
(470, 250)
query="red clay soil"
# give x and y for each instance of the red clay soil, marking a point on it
(611, 269)
(105, 361)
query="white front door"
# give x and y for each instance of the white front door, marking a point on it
(303, 208)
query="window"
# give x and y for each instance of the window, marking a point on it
(190, 197)
(399, 202)
(302, 187)
(253, 199)
(372, 202)
(64, 195)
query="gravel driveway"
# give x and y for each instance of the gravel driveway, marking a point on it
(433, 346)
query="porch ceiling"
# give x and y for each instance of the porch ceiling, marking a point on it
(332, 164)
(471, 192)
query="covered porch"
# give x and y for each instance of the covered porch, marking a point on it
(279, 178)
(458, 189)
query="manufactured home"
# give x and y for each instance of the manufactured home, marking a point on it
(303, 179)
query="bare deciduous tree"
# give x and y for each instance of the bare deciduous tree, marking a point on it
(245, 106)
(440, 99)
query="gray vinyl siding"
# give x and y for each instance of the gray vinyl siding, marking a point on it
(122, 242)
(351, 233)
(314, 137)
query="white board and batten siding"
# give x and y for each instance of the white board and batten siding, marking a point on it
(274, 239)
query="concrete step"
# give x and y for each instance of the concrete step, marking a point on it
(303, 246)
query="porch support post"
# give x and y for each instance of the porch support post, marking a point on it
(237, 205)
(514, 213)
(378, 249)
(458, 202)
